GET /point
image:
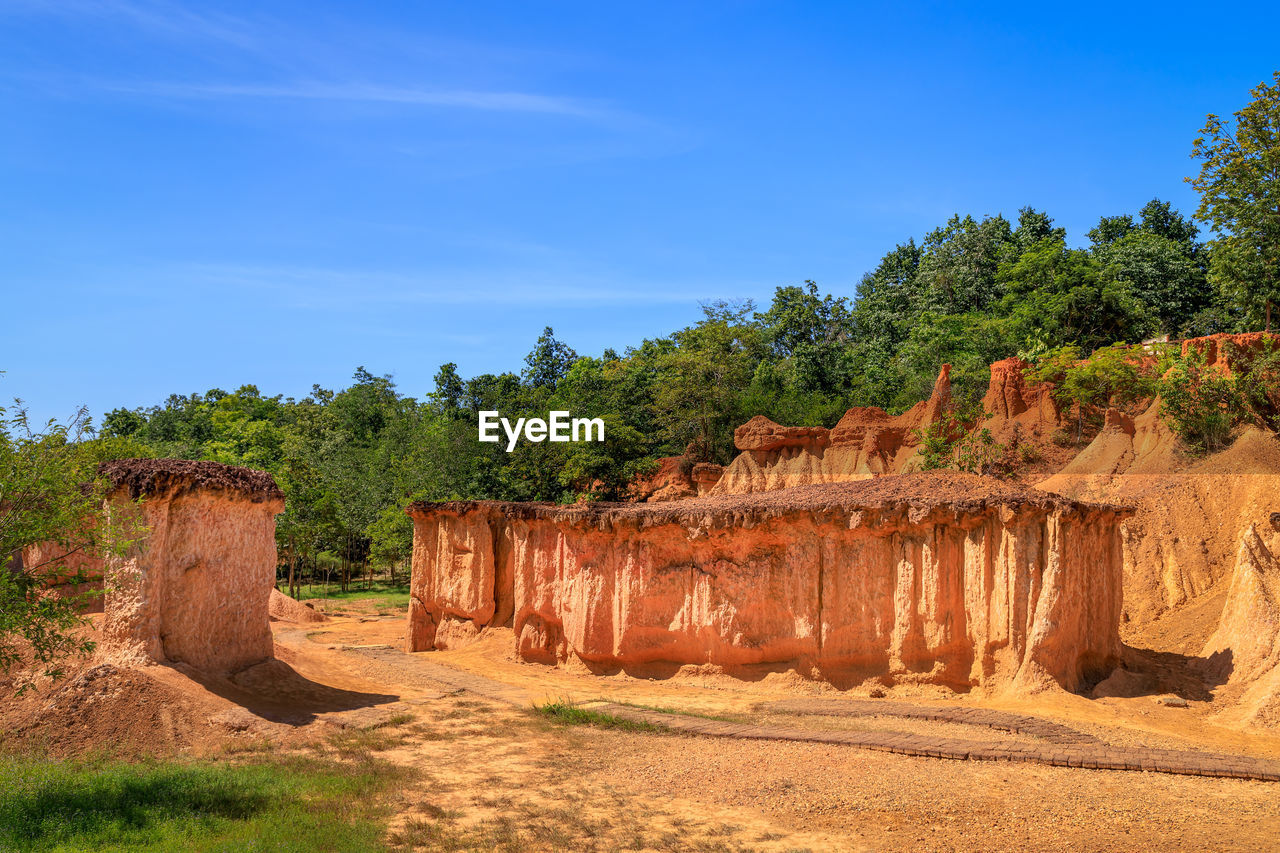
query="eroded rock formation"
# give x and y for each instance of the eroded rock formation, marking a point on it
(1014, 405)
(866, 442)
(671, 480)
(1230, 353)
(706, 475)
(195, 587)
(1180, 544)
(1125, 445)
(1244, 651)
(942, 578)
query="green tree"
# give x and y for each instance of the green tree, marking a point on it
(1164, 275)
(549, 360)
(49, 495)
(1239, 186)
(704, 378)
(1110, 229)
(1061, 294)
(958, 268)
(449, 388)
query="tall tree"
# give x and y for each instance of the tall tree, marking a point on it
(449, 388)
(958, 268)
(1239, 186)
(549, 361)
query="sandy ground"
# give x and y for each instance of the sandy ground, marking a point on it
(494, 776)
(614, 790)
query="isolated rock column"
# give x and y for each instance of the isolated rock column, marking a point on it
(194, 588)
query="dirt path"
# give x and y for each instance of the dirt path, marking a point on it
(500, 777)
(1062, 746)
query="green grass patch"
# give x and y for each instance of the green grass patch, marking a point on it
(572, 714)
(283, 803)
(383, 594)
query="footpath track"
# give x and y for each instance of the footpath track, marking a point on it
(1048, 743)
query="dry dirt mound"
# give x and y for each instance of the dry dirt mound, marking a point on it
(1141, 445)
(111, 708)
(282, 608)
(1255, 451)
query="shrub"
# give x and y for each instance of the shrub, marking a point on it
(937, 443)
(1202, 405)
(979, 453)
(950, 443)
(1260, 384)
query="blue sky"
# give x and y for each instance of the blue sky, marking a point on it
(206, 195)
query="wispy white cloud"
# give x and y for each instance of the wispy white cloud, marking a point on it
(158, 18)
(318, 288)
(524, 102)
(289, 61)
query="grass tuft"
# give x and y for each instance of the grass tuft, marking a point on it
(571, 714)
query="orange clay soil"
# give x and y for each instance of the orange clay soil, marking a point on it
(493, 773)
(822, 797)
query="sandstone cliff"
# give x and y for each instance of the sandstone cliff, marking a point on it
(195, 588)
(941, 578)
(1230, 353)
